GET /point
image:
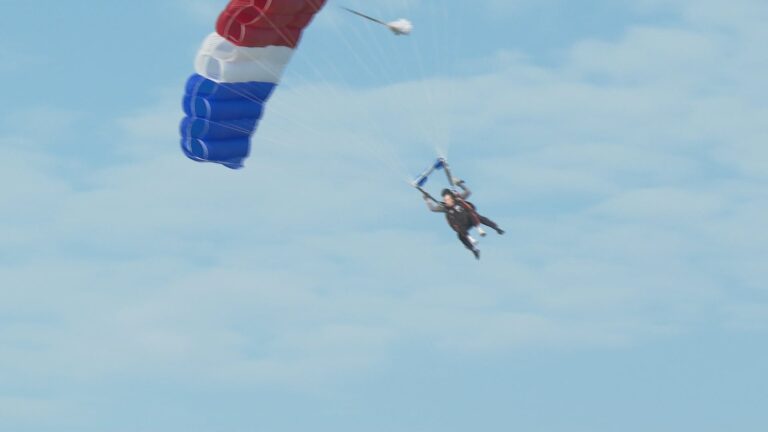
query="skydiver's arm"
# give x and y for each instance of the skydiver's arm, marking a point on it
(434, 206)
(465, 192)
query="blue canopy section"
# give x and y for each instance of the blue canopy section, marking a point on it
(220, 119)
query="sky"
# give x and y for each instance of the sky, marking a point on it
(621, 144)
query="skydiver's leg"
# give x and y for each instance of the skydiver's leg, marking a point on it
(464, 237)
(489, 223)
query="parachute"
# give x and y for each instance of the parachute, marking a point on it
(236, 70)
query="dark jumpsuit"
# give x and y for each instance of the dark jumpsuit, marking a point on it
(462, 216)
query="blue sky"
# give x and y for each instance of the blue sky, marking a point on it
(622, 145)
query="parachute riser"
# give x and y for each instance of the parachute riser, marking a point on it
(426, 194)
(422, 179)
(448, 174)
(440, 164)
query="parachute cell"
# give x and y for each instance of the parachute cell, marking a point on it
(237, 69)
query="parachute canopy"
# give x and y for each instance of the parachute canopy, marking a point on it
(236, 71)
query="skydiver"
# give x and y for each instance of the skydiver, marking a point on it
(461, 215)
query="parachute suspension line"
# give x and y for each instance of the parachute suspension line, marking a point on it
(308, 128)
(392, 162)
(401, 170)
(384, 76)
(441, 51)
(371, 72)
(370, 37)
(232, 88)
(272, 107)
(372, 147)
(309, 63)
(325, 82)
(280, 113)
(450, 49)
(395, 94)
(426, 125)
(380, 76)
(439, 133)
(444, 55)
(291, 116)
(288, 40)
(374, 41)
(424, 85)
(415, 112)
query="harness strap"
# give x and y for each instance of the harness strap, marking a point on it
(470, 209)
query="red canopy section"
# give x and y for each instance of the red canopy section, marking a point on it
(261, 23)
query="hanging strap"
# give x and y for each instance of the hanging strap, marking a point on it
(426, 194)
(363, 15)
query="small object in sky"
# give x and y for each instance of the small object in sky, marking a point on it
(399, 27)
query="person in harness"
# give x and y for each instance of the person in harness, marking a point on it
(460, 214)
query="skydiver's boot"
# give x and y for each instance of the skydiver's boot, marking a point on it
(481, 231)
(476, 252)
(489, 223)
